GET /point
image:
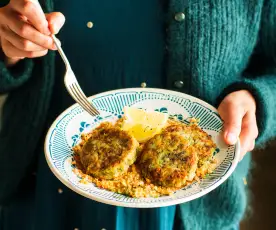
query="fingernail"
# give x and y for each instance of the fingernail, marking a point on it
(54, 45)
(55, 29)
(232, 138)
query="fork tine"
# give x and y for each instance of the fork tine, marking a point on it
(79, 90)
(77, 99)
(80, 102)
(84, 98)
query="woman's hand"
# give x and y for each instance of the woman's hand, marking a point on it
(25, 30)
(237, 110)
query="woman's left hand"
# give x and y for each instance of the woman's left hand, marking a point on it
(238, 111)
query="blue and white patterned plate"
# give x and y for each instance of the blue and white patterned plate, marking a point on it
(65, 133)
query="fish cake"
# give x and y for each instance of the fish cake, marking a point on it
(108, 152)
(172, 158)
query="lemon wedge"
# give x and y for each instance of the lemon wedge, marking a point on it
(143, 125)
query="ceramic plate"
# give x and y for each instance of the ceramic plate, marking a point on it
(65, 133)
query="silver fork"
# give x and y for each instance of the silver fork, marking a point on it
(72, 84)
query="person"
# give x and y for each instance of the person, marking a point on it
(221, 52)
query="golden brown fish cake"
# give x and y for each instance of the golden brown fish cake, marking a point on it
(168, 160)
(108, 152)
(172, 158)
(202, 142)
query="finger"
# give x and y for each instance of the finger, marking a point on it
(18, 41)
(232, 116)
(248, 134)
(9, 61)
(34, 14)
(252, 146)
(28, 32)
(246, 146)
(246, 142)
(55, 21)
(12, 52)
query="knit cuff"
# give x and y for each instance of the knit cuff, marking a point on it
(262, 89)
(11, 78)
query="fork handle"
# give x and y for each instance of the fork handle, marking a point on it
(62, 54)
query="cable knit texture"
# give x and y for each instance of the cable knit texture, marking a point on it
(15, 77)
(221, 46)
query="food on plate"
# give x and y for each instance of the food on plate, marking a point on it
(143, 125)
(144, 154)
(172, 157)
(108, 152)
(131, 183)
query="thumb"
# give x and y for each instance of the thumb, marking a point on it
(55, 21)
(232, 117)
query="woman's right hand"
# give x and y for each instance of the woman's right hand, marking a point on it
(25, 30)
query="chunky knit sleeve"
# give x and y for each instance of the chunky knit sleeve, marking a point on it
(260, 77)
(11, 78)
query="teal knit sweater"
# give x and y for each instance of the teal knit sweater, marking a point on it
(221, 46)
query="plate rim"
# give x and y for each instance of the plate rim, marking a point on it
(138, 204)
